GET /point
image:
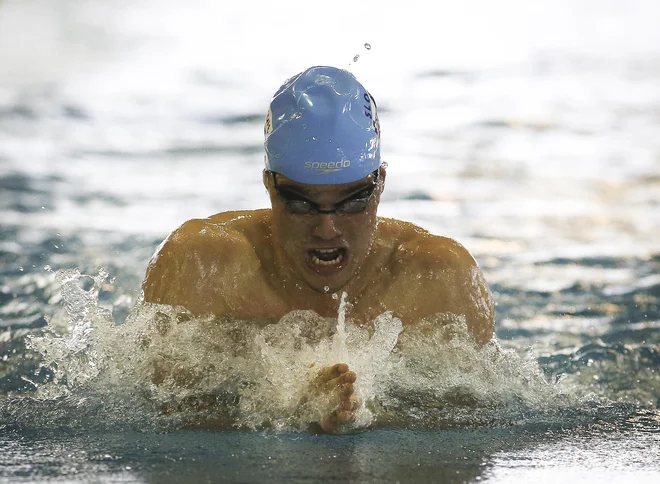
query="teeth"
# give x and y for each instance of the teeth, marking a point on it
(325, 251)
(332, 262)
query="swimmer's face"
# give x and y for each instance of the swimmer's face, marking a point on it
(325, 231)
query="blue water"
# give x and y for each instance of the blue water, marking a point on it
(494, 455)
(527, 131)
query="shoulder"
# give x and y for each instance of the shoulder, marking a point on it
(415, 247)
(438, 275)
(438, 251)
(222, 233)
(195, 260)
(441, 262)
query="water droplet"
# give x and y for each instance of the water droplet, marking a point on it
(21, 269)
(367, 46)
(326, 289)
(47, 268)
(357, 56)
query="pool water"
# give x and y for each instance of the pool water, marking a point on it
(528, 132)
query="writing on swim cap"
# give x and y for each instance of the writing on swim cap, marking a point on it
(322, 128)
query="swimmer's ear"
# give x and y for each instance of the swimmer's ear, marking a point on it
(266, 179)
(382, 173)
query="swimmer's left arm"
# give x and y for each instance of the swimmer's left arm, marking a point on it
(455, 284)
(476, 301)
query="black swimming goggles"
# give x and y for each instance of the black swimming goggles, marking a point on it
(297, 204)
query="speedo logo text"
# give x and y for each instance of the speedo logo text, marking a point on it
(327, 166)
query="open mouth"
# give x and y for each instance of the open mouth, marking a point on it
(327, 258)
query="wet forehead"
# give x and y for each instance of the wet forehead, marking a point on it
(315, 191)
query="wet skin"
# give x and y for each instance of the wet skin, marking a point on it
(262, 264)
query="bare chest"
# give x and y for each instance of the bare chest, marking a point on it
(406, 294)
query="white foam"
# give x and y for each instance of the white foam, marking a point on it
(221, 371)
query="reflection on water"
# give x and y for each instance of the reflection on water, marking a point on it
(459, 455)
(528, 132)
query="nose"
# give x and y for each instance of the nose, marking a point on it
(326, 227)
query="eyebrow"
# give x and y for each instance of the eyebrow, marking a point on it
(346, 193)
(296, 190)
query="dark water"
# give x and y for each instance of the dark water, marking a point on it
(453, 455)
(537, 149)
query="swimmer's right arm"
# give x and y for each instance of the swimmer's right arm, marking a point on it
(167, 269)
(185, 272)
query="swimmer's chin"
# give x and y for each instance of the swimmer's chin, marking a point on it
(328, 289)
(327, 285)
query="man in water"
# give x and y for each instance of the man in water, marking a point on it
(321, 235)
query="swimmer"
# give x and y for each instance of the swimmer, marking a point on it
(324, 176)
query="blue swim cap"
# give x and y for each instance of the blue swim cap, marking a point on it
(322, 128)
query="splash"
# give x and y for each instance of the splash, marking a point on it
(165, 368)
(73, 348)
(293, 363)
(356, 57)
